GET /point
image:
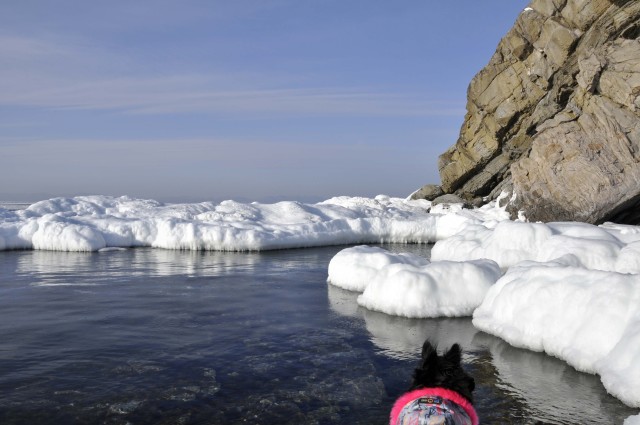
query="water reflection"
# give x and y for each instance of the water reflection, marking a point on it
(513, 384)
(161, 262)
(50, 267)
(552, 390)
(344, 303)
(402, 338)
(399, 337)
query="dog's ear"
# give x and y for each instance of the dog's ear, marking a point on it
(424, 375)
(429, 355)
(454, 355)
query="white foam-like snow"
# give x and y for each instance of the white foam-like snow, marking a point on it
(571, 290)
(589, 318)
(445, 288)
(354, 268)
(91, 223)
(407, 285)
(508, 243)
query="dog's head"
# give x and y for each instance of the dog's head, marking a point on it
(443, 371)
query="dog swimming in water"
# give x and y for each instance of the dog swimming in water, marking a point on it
(440, 394)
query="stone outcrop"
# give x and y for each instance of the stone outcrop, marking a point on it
(429, 192)
(555, 115)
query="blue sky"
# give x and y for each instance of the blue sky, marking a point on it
(246, 99)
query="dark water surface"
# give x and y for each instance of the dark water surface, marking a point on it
(146, 336)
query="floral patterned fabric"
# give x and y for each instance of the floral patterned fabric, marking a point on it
(433, 410)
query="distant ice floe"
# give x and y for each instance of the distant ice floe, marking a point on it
(92, 223)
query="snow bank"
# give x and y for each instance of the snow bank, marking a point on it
(589, 318)
(353, 268)
(571, 290)
(445, 288)
(407, 285)
(609, 248)
(90, 223)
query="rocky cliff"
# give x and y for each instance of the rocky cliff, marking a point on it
(554, 117)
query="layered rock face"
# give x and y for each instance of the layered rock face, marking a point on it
(555, 115)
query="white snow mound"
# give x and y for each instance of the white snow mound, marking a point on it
(444, 288)
(589, 318)
(609, 248)
(354, 268)
(90, 223)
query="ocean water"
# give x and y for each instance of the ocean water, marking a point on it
(150, 336)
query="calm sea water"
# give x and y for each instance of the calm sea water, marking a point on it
(148, 336)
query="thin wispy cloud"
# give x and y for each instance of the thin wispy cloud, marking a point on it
(57, 86)
(180, 94)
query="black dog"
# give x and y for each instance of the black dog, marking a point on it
(441, 392)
